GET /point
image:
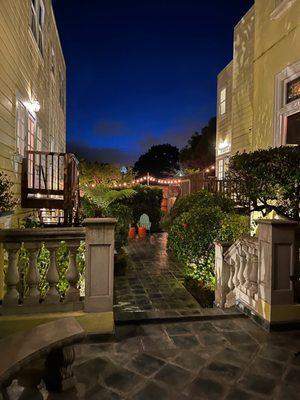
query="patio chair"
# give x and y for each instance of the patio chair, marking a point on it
(144, 221)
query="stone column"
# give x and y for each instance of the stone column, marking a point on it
(99, 270)
(277, 260)
(222, 270)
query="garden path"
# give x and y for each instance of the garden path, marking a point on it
(152, 285)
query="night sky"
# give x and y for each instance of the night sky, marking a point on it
(142, 72)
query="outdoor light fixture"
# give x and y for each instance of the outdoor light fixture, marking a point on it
(33, 106)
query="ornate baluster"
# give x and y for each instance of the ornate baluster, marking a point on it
(33, 276)
(231, 274)
(248, 267)
(11, 296)
(242, 258)
(254, 273)
(52, 276)
(236, 281)
(72, 274)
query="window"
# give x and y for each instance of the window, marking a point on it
(223, 101)
(52, 61)
(37, 22)
(293, 90)
(287, 106)
(280, 7)
(222, 167)
(293, 129)
(21, 129)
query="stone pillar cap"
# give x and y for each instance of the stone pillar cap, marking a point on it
(99, 221)
(276, 222)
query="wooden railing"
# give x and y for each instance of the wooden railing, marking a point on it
(51, 180)
(98, 235)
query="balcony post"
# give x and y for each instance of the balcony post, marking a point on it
(99, 271)
(11, 296)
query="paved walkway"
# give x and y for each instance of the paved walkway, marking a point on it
(225, 359)
(152, 286)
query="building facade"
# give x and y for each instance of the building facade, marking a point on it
(32, 85)
(259, 91)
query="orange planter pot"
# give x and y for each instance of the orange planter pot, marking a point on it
(142, 232)
(131, 233)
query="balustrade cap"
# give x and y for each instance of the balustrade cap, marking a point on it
(29, 234)
(99, 221)
(276, 222)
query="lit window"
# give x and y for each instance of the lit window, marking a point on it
(37, 22)
(21, 129)
(293, 90)
(223, 101)
(221, 169)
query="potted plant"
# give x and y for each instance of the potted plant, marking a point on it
(7, 200)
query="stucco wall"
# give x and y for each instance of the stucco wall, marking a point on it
(242, 84)
(277, 45)
(26, 74)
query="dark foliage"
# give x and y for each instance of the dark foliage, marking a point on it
(160, 160)
(269, 180)
(146, 200)
(200, 150)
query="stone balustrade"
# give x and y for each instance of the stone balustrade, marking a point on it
(98, 234)
(260, 274)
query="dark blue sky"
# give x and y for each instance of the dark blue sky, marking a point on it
(142, 72)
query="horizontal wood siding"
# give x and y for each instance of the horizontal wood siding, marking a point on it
(26, 74)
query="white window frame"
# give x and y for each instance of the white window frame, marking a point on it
(221, 172)
(280, 7)
(282, 109)
(222, 101)
(21, 128)
(37, 22)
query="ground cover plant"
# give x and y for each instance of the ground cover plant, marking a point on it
(7, 200)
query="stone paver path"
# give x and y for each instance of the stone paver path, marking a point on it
(152, 286)
(230, 359)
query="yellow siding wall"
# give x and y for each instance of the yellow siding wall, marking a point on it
(277, 45)
(26, 74)
(242, 84)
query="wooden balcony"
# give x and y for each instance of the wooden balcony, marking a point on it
(51, 181)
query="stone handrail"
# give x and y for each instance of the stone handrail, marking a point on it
(261, 274)
(242, 258)
(98, 234)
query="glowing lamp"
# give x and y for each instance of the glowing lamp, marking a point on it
(33, 106)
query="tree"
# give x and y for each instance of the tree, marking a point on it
(7, 200)
(200, 150)
(160, 160)
(269, 180)
(103, 174)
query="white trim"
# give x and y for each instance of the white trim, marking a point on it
(282, 110)
(281, 8)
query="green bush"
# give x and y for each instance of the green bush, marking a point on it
(124, 217)
(146, 200)
(43, 259)
(192, 235)
(268, 180)
(198, 200)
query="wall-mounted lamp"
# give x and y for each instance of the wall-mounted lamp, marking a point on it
(33, 106)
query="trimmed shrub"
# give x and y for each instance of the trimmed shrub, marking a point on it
(192, 236)
(198, 200)
(124, 217)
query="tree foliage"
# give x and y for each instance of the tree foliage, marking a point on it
(160, 160)
(200, 150)
(7, 200)
(103, 174)
(269, 180)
